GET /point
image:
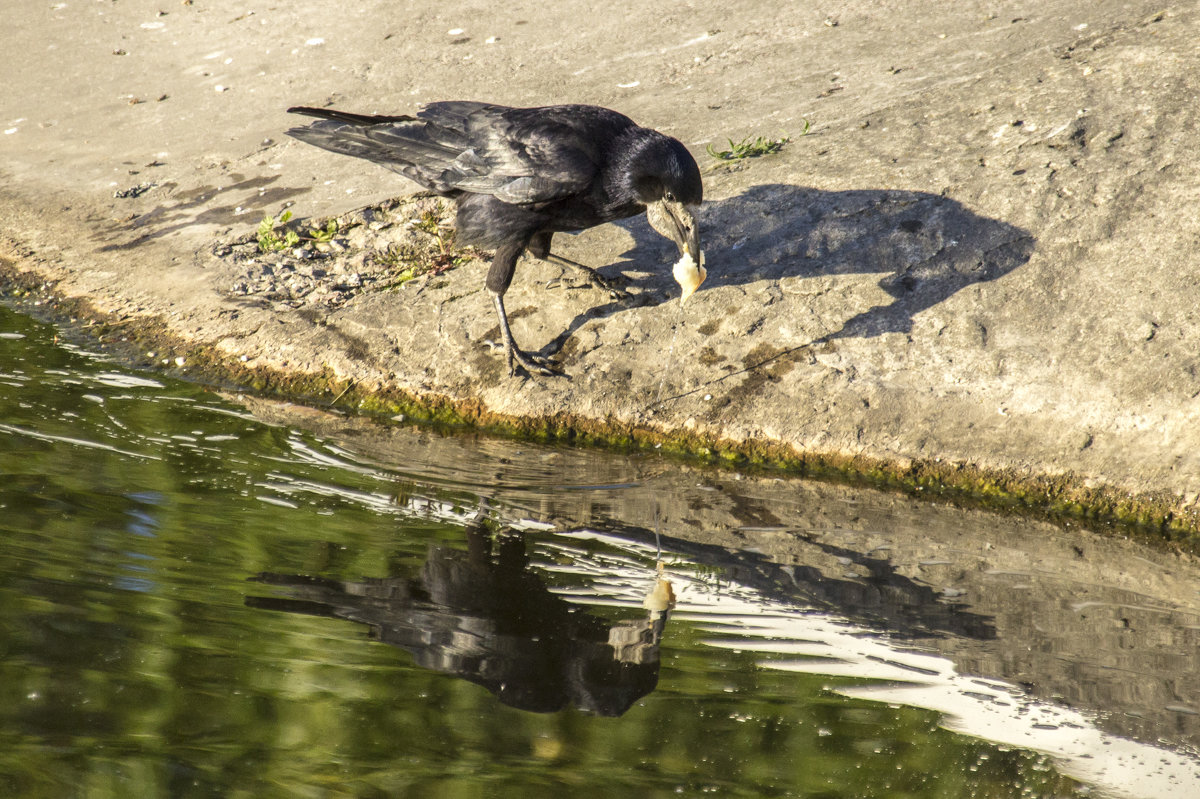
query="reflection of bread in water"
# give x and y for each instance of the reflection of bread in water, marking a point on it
(689, 274)
(660, 598)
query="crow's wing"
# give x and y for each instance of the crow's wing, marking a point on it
(404, 144)
(519, 155)
(453, 113)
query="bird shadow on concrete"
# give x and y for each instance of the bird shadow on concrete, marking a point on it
(176, 211)
(924, 248)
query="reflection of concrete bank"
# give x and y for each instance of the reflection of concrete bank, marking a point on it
(484, 616)
(817, 641)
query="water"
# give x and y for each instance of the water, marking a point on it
(204, 596)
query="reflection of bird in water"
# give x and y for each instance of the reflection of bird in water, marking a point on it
(483, 616)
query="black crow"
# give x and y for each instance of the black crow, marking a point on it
(520, 175)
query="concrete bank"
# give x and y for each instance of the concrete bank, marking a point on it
(976, 276)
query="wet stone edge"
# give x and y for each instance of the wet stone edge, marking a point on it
(1157, 518)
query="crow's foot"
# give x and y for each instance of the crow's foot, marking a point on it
(594, 278)
(530, 364)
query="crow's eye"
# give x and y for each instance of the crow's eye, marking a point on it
(670, 197)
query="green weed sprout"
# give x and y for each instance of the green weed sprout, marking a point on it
(753, 148)
(269, 239)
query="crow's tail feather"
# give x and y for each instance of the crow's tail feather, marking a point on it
(345, 116)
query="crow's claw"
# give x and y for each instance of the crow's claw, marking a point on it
(605, 284)
(531, 364)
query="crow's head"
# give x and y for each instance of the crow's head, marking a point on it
(665, 179)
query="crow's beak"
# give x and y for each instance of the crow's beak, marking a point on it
(675, 221)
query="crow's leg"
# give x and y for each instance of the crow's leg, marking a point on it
(532, 364)
(539, 247)
(499, 277)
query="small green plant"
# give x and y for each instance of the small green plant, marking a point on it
(396, 256)
(407, 262)
(429, 250)
(753, 148)
(323, 234)
(748, 148)
(430, 222)
(402, 260)
(269, 238)
(274, 235)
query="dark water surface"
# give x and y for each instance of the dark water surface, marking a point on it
(207, 597)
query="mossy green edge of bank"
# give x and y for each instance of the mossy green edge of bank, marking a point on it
(1153, 517)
